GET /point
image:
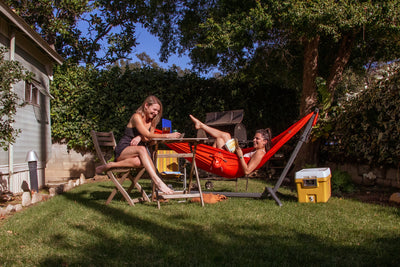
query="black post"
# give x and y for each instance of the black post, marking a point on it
(32, 163)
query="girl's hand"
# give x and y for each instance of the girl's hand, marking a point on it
(239, 152)
(136, 140)
(174, 135)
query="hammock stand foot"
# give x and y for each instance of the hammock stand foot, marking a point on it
(273, 195)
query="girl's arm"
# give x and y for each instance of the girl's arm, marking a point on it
(147, 134)
(252, 164)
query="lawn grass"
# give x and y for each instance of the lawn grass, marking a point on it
(77, 229)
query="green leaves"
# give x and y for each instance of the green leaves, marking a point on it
(11, 72)
(108, 27)
(86, 99)
(367, 126)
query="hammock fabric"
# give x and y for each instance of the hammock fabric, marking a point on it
(226, 164)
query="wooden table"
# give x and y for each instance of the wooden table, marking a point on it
(193, 142)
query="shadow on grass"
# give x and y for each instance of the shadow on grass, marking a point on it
(175, 238)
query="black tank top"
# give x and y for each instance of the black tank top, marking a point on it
(126, 139)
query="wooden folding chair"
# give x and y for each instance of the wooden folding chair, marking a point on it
(104, 143)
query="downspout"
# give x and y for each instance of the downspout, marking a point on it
(10, 146)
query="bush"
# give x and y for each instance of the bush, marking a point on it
(365, 128)
(342, 182)
(104, 100)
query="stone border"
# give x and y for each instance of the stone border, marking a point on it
(30, 198)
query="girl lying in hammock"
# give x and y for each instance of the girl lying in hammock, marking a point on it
(261, 142)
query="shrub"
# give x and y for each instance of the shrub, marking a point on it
(342, 182)
(365, 128)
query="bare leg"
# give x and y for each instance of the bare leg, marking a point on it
(126, 163)
(220, 137)
(136, 156)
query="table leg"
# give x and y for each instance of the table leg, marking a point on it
(198, 182)
(194, 166)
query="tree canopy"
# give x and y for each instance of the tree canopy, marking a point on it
(265, 45)
(315, 38)
(96, 32)
(294, 42)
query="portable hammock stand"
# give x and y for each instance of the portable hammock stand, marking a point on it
(304, 137)
(272, 191)
(208, 157)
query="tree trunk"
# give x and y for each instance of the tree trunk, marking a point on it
(308, 100)
(342, 58)
(310, 72)
(309, 153)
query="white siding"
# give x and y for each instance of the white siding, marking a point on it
(19, 181)
(34, 123)
(35, 133)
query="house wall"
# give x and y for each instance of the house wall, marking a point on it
(34, 121)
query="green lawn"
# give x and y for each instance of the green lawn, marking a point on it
(77, 229)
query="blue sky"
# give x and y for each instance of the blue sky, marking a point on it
(151, 46)
(148, 44)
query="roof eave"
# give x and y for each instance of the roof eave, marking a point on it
(29, 32)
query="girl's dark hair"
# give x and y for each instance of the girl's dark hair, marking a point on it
(267, 135)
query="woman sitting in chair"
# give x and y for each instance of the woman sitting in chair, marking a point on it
(261, 143)
(131, 150)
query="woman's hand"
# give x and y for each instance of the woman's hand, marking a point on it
(173, 135)
(239, 152)
(136, 140)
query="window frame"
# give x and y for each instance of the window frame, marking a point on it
(32, 94)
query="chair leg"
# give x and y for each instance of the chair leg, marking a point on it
(138, 186)
(119, 187)
(116, 189)
(158, 201)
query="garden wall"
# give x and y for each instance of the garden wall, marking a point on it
(365, 175)
(64, 165)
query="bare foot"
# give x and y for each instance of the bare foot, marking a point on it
(101, 169)
(197, 123)
(165, 189)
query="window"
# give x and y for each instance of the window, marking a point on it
(31, 94)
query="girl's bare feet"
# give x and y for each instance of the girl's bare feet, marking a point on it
(101, 169)
(165, 189)
(197, 123)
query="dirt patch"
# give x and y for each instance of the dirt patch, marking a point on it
(372, 195)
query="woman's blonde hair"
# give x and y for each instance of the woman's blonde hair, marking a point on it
(267, 135)
(150, 100)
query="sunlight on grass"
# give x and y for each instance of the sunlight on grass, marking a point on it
(78, 229)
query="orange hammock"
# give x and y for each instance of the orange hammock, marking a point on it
(226, 164)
